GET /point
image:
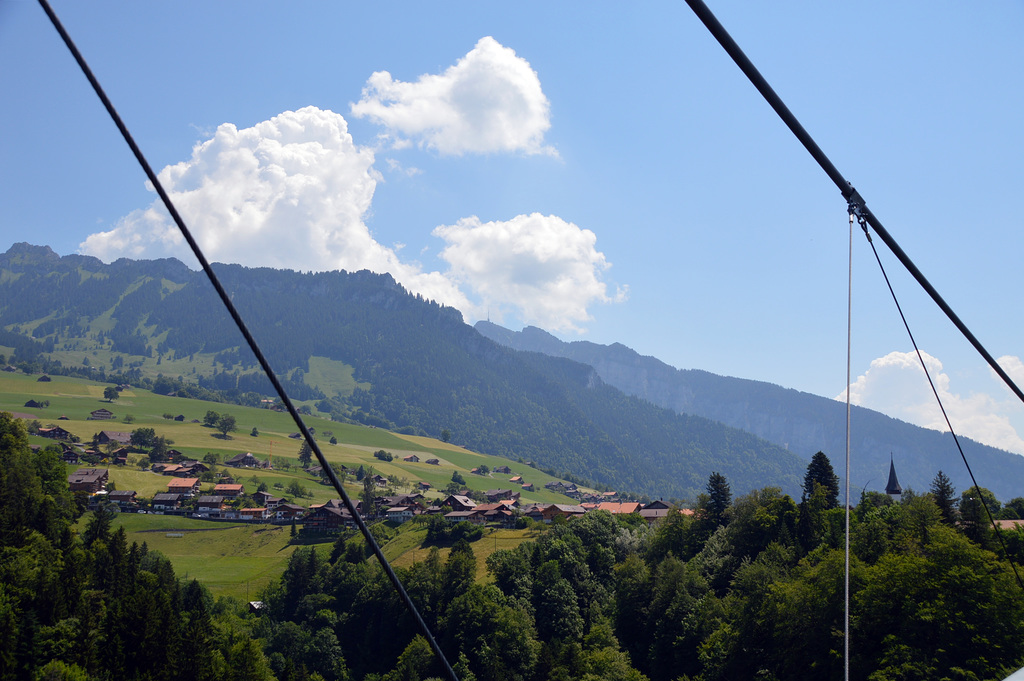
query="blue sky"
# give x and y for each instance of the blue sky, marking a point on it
(600, 170)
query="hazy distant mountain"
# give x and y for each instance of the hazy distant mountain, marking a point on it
(410, 364)
(801, 422)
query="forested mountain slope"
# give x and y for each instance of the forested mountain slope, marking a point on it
(417, 365)
(799, 421)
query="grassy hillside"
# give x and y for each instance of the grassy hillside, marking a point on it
(359, 348)
(238, 559)
(75, 398)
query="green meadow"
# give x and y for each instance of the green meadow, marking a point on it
(230, 559)
(239, 560)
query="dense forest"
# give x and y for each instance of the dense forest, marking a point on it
(422, 370)
(746, 588)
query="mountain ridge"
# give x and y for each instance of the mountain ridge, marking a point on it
(799, 421)
(417, 366)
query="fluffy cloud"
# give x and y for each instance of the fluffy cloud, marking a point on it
(290, 192)
(489, 101)
(546, 267)
(896, 385)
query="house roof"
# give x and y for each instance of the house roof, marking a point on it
(89, 473)
(167, 496)
(617, 507)
(211, 499)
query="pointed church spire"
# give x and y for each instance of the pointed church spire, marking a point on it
(893, 488)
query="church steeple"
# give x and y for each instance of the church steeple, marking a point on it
(893, 489)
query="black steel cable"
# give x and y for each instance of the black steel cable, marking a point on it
(851, 195)
(935, 392)
(410, 606)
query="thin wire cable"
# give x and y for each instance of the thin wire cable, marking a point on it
(851, 195)
(846, 576)
(942, 408)
(226, 300)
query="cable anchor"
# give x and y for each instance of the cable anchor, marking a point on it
(857, 208)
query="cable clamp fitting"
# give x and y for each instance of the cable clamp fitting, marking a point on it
(856, 207)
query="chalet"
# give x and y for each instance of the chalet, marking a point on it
(101, 415)
(267, 499)
(517, 480)
(610, 496)
(123, 497)
(209, 503)
(246, 460)
(88, 480)
(412, 458)
(423, 485)
(288, 511)
(32, 404)
(54, 433)
(458, 502)
(400, 514)
(167, 468)
(434, 462)
(190, 469)
(187, 487)
(43, 379)
(494, 495)
(226, 490)
(527, 486)
(70, 456)
(546, 513)
(493, 513)
(253, 514)
(504, 470)
(656, 510)
(458, 516)
(10, 369)
(108, 436)
(380, 481)
(327, 518)
(399, 500)
(167, 501)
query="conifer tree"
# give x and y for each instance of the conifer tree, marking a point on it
(819, 472)
(305, 454)
(945, 497)
(719, 499)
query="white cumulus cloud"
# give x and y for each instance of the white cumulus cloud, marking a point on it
(290, 192)
(896, 385)
(545, 267)
(489, 101)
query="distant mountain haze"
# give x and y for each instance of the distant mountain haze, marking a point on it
(798, 421)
